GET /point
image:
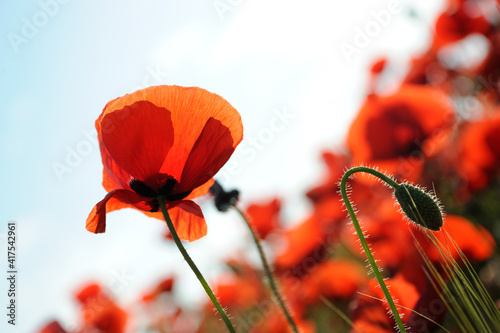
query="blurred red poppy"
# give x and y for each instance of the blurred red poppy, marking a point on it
(164, 140)
(475, 242)
(164, 286)
(304, 247)
(399, 131)
(99, 311)
(275, 323)
(370, 315)
(52, 327)
(461, 19)
(238, 291)
(334, 278)
(479, 152)
(264, 217)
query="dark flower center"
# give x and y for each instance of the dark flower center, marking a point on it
(404, 134)
(144, 190)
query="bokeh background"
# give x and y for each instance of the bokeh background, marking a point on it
(62, 61)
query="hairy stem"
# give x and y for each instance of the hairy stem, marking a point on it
(269, 274)
(366, 248)
(210, 293)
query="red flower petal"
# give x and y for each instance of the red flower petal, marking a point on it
(265, 217)
(88, 292)
(303, 242)
(138, 137)
(190, 108)
(370, 315)
(210, 152)
(165, 286)
(475, 242)
(201, 190)
(96, 221)
(335, 278)
(479, 152)
(188, 220)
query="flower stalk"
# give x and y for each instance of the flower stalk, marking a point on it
(359, 231)
(194, 268)
(269, 273)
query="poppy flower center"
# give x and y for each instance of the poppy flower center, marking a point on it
(402, 128)
(167, 190)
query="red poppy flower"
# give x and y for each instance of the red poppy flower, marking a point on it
(396, 132)
(100, 312)
(164, 140)
(461, 19)
(479, 152)
(265, 217)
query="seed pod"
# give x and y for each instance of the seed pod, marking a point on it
(419, 206)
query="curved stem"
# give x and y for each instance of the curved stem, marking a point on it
(269, 274)
(210, 293)
(362, 239)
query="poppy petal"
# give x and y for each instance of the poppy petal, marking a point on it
(138, 137)
(475, 242)
(264, 217)
(96, 221)
(210, 152)
(113, 177)
(201, 190)
(190, 108)
(188, 220)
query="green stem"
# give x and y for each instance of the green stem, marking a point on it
(269, 274)
(210, 293)
(361, 237)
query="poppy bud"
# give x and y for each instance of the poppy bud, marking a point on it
(419, 206)
(223, 199)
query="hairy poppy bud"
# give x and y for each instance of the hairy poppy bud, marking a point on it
(419, 206)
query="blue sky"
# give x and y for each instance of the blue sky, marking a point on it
(61, 61)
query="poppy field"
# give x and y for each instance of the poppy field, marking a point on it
(400, 229)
